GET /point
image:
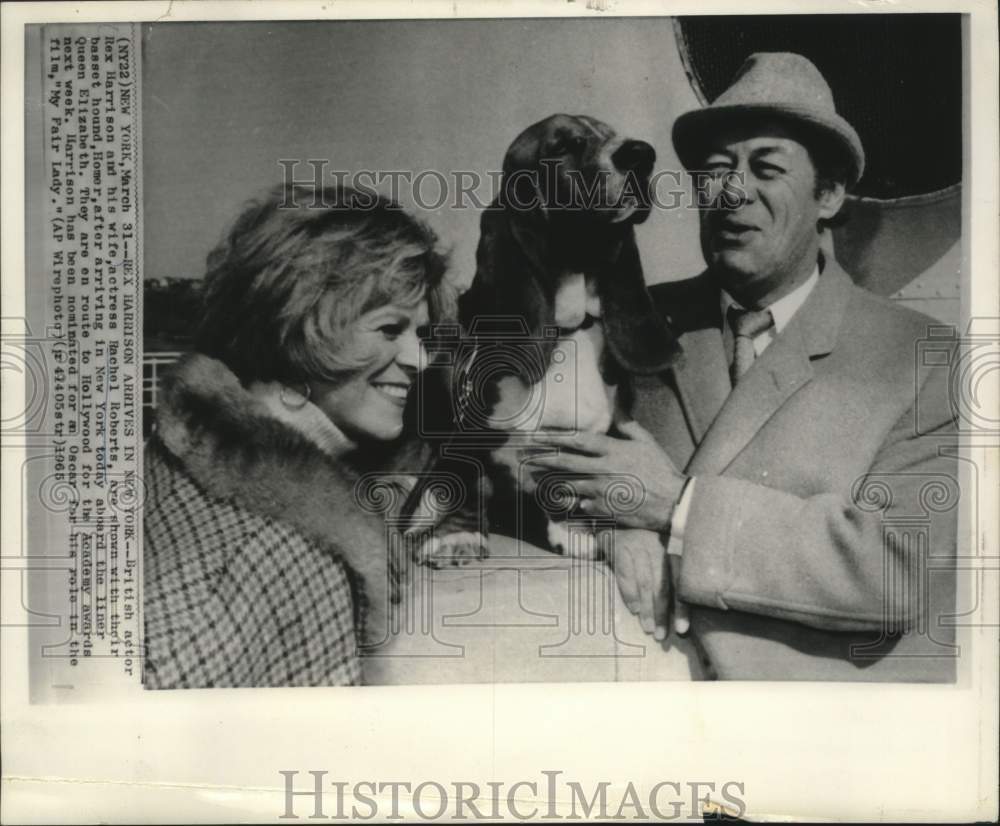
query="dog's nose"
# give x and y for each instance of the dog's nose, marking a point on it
(634, 155)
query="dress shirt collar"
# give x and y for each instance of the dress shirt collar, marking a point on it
(784, 308)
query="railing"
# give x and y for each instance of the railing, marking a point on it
(152, 366)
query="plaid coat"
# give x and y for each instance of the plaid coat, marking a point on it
(253, 546)
(233, 598)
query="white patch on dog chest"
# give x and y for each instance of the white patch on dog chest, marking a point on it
(572, 395)
(575, 299)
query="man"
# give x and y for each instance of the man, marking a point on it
(783, 458)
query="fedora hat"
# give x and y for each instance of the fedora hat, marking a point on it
(780, 85)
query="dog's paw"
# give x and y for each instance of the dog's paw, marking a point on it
(558, 536)
(454, 549)
(579, 543)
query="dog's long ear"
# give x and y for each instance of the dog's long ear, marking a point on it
(511, 273)
(510, 297)
(513, 257)
(640, 339)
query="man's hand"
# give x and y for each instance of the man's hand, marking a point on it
(630, 479)
(647, 584)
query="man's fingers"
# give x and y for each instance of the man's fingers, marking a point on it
(647, 594)
(681, 614)
(662, 596)
(634, 430)
(593, 444)
(682, 617)
(572, 462)
(625, 575)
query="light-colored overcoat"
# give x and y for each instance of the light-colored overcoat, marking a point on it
(821, 537)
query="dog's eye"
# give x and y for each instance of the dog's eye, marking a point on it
(566, 144)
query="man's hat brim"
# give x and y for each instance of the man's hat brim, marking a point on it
(692, 131)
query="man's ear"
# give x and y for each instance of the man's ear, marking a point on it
(831, 199)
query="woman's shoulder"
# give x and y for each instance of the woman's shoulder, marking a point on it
(231, 447)
(220, 577)
(180, 515)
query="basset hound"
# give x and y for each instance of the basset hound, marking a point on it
(556, 318)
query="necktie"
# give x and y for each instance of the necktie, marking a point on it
(746, 325)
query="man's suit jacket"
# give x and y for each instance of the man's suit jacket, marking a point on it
(821, 535)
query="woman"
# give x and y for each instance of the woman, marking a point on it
(257, 559)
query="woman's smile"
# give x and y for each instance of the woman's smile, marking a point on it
(395, 392)
(369, 404)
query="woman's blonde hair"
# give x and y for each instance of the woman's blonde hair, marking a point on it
(299, 266)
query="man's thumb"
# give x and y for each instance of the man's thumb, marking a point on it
(634, 430)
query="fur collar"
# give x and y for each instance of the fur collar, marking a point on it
(235, 450)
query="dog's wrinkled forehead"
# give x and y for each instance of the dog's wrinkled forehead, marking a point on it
(550, 135)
